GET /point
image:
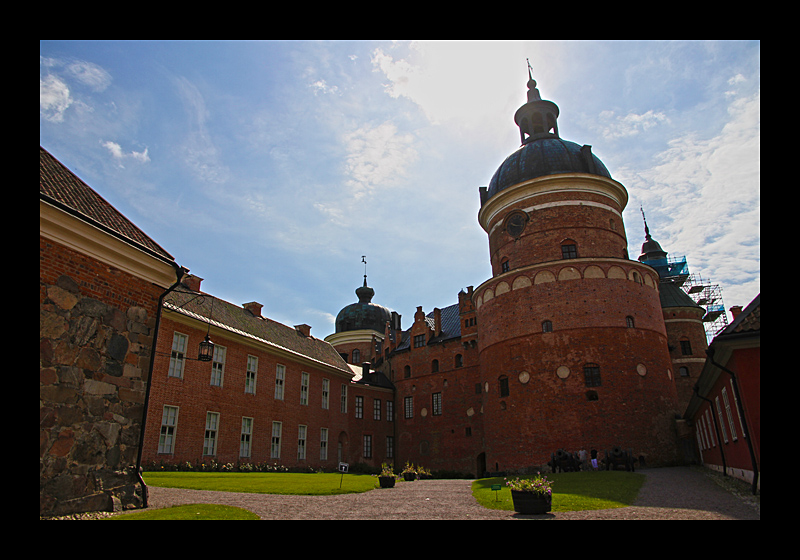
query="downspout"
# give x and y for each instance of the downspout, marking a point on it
(180, 272)
(710, 353)
(696, 389)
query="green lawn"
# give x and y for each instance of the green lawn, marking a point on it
(191, 512)
(571, 491)
(304, 484)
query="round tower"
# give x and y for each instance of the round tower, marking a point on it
(572, 342)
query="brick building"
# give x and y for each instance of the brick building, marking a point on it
(100, 283)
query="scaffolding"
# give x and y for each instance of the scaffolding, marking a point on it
(708, 296)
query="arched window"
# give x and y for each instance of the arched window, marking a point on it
(434, 366)
(356, 356)
(547, 326)
(683, 371)
(591, 375)
(459, 360)
(629, 322)
(504, 266)
(407, 372)
(503, 382)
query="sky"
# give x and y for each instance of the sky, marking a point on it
(270, 168)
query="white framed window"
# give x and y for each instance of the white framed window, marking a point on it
(710, 424)
(436, 404)
(390, 411)
(376, 409)
(729, 413)
(390, 447)
(280, 377)
(178, 355)
(359, 407)
(169, 421)
(218, 365)
(301, 442)
(326, 385)
(250, 375)
(721, 420)
(323, 444)
(367, 446)
(275, 445)
(343, 402)
(304, 388)
(408, 405)
(247, 434)
(210, 438)
(736, 404)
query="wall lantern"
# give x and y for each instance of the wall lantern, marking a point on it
(206, 353)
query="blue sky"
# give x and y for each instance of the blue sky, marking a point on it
(269, 168)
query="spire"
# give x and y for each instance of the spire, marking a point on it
(365, 293)
(651, 250)
(538, 117)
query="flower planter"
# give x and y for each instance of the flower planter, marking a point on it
(530, 502)
(409, 476)
(386, 481)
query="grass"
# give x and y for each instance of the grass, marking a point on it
(571, 491)
(303, 484)
(191, 512)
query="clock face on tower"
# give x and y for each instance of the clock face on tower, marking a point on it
(515, 223)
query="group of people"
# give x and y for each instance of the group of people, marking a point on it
(593, 455)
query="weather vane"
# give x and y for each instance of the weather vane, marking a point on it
(364, 260)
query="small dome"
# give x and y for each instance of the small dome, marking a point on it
(364, 314)
(545, 155)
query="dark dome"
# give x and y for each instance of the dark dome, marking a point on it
(364, 314)
(546, 155)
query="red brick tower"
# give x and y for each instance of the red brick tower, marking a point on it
(571, 336)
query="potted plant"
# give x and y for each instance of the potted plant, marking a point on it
(531, 495)
(386, 476)
(424, 474)
(409, 472)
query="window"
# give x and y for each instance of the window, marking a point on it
(169, 421)
(218, 365)
(343, 402)
(408, 407)
(326, 384)
(356, 356)
(459, 362)
(569, 251)
(323, 444)
(683, 371)
(547, 326)
(390, 447)
(721, 420)
(247, 434)
(406, 372)
(390, 411)
(504, 266)
(359, 407)
(177, 357)
(503, 386)
(736, 405)
(436, 404)
(376, 409)
(275, 447)
(301, 442)
(367, 446)
(419, 341)
(686, 348)
(729, 413)
(304, 388)
(709, 422)
(629, 322)
(280, 377)
(434, 366)
(250, 375)
(210, 438)
(591, 375)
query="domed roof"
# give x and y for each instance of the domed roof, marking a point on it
(546, 154)
(364, 314)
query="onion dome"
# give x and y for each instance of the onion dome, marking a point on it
(542, 152)
(364, 314)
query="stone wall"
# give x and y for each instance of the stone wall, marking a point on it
(96, 328)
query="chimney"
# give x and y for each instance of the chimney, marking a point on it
(192, 282)
(253, 307)
(303, 329)
(437, 321)
(735, 310)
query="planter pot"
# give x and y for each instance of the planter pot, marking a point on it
(409, 476)
(530, 503)
(386, 481)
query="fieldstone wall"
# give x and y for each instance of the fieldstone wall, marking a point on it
(96, 334)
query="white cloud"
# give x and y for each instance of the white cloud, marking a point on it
(116, 151)
(321, 86)
(90, 75)
(54, 98)
(613, 126)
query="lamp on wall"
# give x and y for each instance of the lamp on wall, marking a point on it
(206, 353)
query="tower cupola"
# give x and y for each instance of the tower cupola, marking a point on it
(538, 118)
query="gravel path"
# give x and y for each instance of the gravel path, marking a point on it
(668, 493)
